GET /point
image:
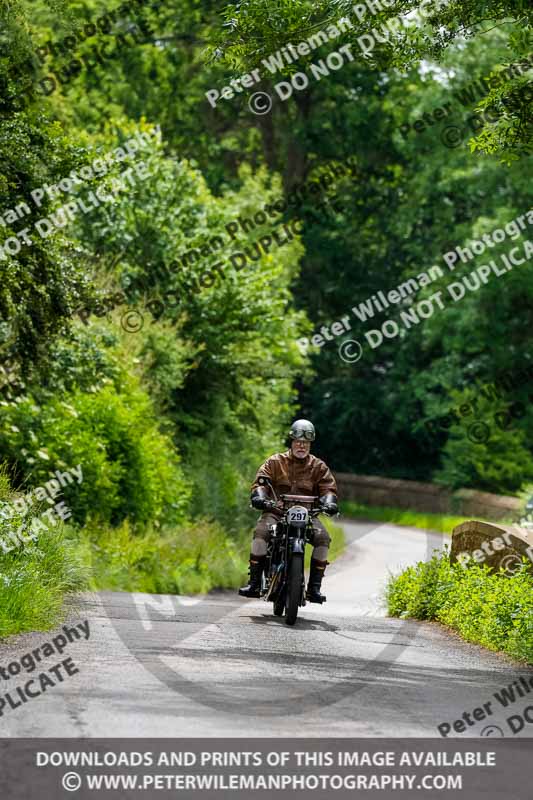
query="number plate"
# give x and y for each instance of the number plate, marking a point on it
(297, 515)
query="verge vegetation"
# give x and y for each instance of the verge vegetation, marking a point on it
(487, 608)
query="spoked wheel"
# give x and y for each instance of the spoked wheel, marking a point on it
(294, 588)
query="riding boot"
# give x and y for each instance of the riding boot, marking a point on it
(257, 564)
(315, 581)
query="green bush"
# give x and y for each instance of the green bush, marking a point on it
(191, 559)
(485, 607)
(130, 469)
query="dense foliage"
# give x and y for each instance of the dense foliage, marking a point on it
(152, 333)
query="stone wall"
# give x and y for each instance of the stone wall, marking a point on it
(498, 546)
(426, 497)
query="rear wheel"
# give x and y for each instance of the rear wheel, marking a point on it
(294, 588)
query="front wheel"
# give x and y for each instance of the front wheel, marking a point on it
(294, 588)
(279, 606)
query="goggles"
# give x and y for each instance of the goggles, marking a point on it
(307, 435)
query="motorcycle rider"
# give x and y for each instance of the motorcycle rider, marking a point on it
(293, 472)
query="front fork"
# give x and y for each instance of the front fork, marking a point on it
(296, 546)
(271, 583)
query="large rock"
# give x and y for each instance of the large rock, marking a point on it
(492, 544)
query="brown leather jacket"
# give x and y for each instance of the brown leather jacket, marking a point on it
(290, 475)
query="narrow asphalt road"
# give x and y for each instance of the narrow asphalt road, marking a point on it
(224, 666)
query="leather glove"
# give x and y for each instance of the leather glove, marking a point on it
(260, 500)
(328, 504)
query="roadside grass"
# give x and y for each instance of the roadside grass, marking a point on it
(441, 523)
(484, 607)
(338, 541)
(193, 559)
(36, 576)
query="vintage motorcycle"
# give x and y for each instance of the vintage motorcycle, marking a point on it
(283, 581)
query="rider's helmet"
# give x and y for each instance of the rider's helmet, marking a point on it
(302, 429)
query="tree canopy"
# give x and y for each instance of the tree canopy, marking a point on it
(245, 233)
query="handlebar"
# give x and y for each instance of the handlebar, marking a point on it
(300, 498)
(304, 499)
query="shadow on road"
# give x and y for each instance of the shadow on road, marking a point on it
(301, 624)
